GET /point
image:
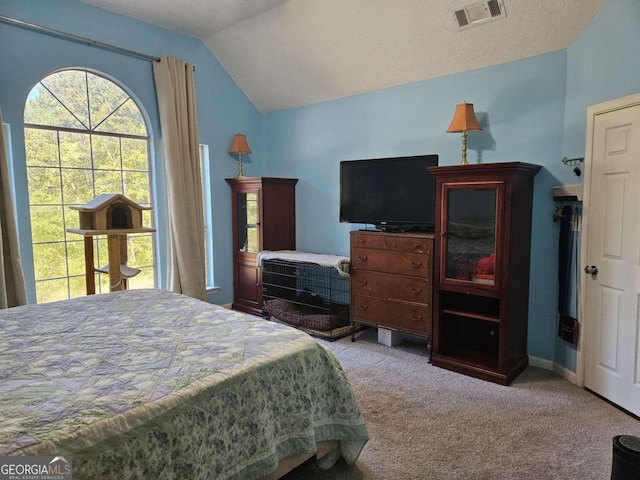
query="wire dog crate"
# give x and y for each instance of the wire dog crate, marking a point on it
(310, 297)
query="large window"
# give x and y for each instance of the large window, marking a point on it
(84, 136)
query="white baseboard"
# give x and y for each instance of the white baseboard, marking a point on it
(540, 363)
(554, 367)
(565, 373)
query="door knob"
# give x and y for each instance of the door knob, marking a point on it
(591, 270)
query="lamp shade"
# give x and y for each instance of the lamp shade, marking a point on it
(464, 119)
(239, 144)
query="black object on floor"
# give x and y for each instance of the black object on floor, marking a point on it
(626, 458)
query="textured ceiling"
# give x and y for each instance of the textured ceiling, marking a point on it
(288, 53)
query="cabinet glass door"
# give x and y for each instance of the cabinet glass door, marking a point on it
(470, 235)
(248, 222)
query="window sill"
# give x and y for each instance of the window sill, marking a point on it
(212, 290)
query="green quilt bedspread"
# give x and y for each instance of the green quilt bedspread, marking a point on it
(152, 384)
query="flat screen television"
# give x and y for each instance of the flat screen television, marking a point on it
(392, 194)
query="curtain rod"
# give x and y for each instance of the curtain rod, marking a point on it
(76, 38)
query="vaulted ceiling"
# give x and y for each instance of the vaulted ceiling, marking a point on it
(289, 53)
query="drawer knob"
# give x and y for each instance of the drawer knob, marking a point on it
(362, 258)
(363, 306)
(416, 318)
(416, 290)
(418, 248)
(416, 264)
(362, 282)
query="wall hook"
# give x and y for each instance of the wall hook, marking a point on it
(572, 161)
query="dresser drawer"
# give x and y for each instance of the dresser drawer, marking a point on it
(390, 286)
(387, 313)
(393, 242)
(400, 263)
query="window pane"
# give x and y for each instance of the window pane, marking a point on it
(145, 279)
(105, 97)
(70, 88)
(75, 150)
(126, 119)
(147, 218)
(52, 290)
(101, 252)
(44, 185)
(49, 260)
(140, 248)
(106, 152)
(71, 219)
(134, 154)
(78, 286)
(108, 182)
(41, 147)
(136, 187)
(75, 256)
(102, 283)
(42, 108)
(47, 224)
(77, 186)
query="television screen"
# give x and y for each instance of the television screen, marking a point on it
(395, 193)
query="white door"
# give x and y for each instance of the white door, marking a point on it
(611, 284)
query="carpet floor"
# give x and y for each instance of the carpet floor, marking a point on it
(429, 423)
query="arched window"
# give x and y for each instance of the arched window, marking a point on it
(84, 136)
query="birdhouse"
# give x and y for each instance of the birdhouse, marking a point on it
(115, 216)
(110, 211)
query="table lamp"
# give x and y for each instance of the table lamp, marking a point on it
(239, 145)
(464, 119)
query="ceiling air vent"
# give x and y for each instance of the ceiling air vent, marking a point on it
(481, 12)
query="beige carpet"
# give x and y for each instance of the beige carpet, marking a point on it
(429, 423)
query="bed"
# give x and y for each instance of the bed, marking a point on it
(152, 384)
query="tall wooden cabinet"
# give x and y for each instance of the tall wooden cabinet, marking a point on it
(391, 281)
(481, 278)
(264, 218)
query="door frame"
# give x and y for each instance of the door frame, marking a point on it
(592, 112)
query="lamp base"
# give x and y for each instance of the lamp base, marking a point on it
(464, 148)
(240, 174)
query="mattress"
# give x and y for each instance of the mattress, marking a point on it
(152, 384)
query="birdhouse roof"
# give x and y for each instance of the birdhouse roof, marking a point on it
(104, 200)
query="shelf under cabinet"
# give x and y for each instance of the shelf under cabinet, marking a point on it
(480, 358)
(472, 315)
(469, 339)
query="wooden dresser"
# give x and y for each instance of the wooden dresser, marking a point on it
(391, 284)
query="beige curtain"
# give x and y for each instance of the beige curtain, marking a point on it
(13, 291)
(175, 89)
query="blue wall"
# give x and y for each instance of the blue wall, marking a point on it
(602, 64)
(520, 106)
(26, 57)
(531, 110)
